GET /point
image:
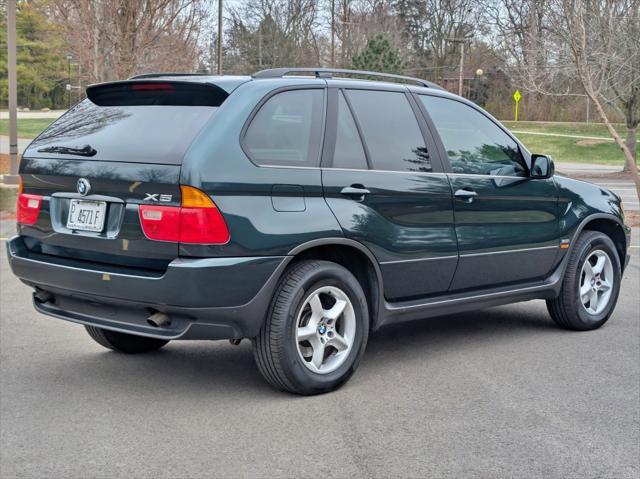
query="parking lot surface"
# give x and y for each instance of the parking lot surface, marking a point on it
(494, 393)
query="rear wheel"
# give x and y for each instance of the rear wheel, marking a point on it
(316, 332)
(124, 343)
(590, 286)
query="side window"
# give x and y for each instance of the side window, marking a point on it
(287, 129)
(390, 131)
(349, 152)
(474, 143)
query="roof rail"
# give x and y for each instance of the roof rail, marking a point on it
(166, 74)
(329, 73)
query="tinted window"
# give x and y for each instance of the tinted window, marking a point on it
(140, 134)
(474, 143)
(390, 130)
(287, 129)
(349, 152)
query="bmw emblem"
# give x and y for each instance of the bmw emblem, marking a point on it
(83, 186)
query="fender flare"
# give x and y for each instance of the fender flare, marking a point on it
(580, 228)
(341, 241)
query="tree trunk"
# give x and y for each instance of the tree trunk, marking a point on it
(630, 162)
(631, 144)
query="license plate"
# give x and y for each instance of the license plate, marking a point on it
(86, 215)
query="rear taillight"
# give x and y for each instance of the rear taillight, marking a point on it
(161, 223)
(28, 208)
(198, 220)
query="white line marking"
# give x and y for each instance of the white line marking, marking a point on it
(603, 138)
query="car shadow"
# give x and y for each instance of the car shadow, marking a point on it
(206, 368)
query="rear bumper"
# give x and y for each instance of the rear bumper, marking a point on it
(206, 298)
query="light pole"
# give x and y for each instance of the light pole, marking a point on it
(333, 33)
(219, 37)
(477, 85)
(69, 58)
(12, 177)
(461, 41)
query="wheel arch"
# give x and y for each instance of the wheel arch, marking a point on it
(609, 225)
(354, 256)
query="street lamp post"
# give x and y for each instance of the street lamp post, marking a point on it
(461, 41)
(220, 32)
(477, 84)
(12, 177)
(69, 58)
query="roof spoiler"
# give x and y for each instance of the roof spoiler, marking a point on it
(156, 92)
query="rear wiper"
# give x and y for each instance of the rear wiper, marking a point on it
(86, 150)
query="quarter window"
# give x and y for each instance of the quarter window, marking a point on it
(349, 152)
(287, 129)
(474, 144)
(390, 131)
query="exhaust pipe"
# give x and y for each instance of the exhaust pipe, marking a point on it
(42, 296)
(159, 320)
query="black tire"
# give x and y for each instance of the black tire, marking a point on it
(567, 309)
(276, 348)
(124, 343)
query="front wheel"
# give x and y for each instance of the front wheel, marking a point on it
(124, 343)
(316, 331)
(590, 286)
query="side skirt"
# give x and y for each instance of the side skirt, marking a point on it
(460, 302)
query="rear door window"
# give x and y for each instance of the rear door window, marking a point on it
(287, 129)
(474, 143)
(349, 152)
(391, 131)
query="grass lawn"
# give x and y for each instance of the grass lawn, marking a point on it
(570, 149)
(27, 127)
(579, 129)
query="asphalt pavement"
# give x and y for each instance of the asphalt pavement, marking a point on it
(499, 392)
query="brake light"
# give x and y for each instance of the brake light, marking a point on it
(153, 86)
(160, 223)
(198, 220)
(28, 208)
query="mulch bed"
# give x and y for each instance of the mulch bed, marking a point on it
(5, 163)
(632, 218)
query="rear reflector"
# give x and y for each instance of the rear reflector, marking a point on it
(197, 221)
(28, 208)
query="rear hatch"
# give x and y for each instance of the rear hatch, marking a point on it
(85, 176)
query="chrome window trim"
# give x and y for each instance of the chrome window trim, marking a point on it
(418, 259)
(510, 251)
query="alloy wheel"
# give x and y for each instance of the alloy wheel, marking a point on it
(596, 282)
(325, 329)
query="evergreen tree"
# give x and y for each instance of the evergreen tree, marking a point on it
(41, 63)
(380, 56)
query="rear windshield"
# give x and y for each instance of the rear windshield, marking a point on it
(136, 133)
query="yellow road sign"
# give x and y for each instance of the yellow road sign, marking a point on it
(517, 96)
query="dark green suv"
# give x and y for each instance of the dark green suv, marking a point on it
(302, 212)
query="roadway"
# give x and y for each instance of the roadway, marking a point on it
(499, 392)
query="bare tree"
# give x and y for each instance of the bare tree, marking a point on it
(580, 47)
(430, 25)
(268, 33)
(113, 39)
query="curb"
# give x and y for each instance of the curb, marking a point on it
(8, 198)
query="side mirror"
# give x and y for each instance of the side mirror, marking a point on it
(541, 167)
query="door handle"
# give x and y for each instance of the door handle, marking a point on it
(465, 194)
(355, 190)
